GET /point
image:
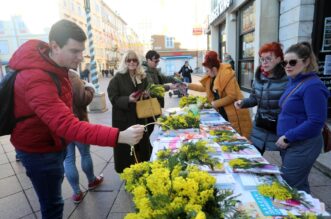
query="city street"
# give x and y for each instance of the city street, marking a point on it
(110, 200)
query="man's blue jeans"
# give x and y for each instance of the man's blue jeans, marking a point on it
(70, 165)
(46, 173)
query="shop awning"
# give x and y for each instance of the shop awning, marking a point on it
(176, 57)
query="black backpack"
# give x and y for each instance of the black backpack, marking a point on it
(7, 117)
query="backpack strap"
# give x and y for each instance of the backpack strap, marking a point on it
(56, 81)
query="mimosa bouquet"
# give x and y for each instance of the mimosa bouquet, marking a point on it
(189, 120)
(202, 102)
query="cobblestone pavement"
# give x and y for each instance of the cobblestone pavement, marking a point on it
(18, 199)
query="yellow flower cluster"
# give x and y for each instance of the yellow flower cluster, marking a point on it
(239, 163)
(192, 153)
(308, 215)
(171, 122)
(275, 191)
(161, 193)
(233, 148)
(202, 102)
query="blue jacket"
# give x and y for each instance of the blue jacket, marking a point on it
(304, 112)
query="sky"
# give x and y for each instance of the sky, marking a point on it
(174, 18)
(31, 11)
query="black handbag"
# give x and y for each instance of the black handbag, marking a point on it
(266, 122)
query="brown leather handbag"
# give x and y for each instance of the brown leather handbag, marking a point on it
(148, 108)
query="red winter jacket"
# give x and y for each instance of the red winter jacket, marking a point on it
(52, 120)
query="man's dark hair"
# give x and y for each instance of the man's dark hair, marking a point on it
(64, 30)
(152, 53)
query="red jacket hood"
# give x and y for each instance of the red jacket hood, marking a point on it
(33, 54)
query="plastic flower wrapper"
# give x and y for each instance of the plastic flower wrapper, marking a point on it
(193, 152)
(233, 148)
(244, 163)
(282, 192)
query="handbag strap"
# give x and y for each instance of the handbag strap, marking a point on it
(150, 101)
(296, 87)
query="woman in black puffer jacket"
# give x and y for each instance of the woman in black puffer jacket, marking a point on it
(269, 84)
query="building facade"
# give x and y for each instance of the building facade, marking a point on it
(173, 56)
(241, 27)
(111, 35)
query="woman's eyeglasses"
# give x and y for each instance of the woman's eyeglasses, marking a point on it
(265, 59)
(132, 60)
(292, 62)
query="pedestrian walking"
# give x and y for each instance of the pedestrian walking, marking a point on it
(82, 93)
(186, 71)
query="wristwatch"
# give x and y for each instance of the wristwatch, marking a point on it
(286, 140)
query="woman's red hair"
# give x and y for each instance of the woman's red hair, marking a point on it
(274, 47)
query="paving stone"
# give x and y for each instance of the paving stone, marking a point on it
(95, 205)
(18, 167)
(33, 199)
(14, 206)
(30, 216)
(116, 215)
(9, 186)
(106, 153)
(323, 194)
(1, 149)
(69, 207)
(112, 179)
(11, 156)
(8, 147)
(6, 170)
(123, 203)
(318, 178)
(3, 159)
(24, 180)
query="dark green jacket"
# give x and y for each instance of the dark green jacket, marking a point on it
(154, 76)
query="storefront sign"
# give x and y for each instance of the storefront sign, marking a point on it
(326, 47)
(197, 31)
(219, 9)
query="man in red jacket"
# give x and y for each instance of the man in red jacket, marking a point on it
(41, 138)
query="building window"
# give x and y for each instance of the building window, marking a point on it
(4, 48)
(246, 46)
(2, 27)
(222, 38)
(169, 42)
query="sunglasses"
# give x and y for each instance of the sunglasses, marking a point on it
(132, 60)
(292, 62)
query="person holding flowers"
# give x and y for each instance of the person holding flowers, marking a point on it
(303, 113)
(222, 90)
(124, 90)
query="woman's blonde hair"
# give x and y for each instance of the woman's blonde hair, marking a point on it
(123, 68)
(304, 51)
